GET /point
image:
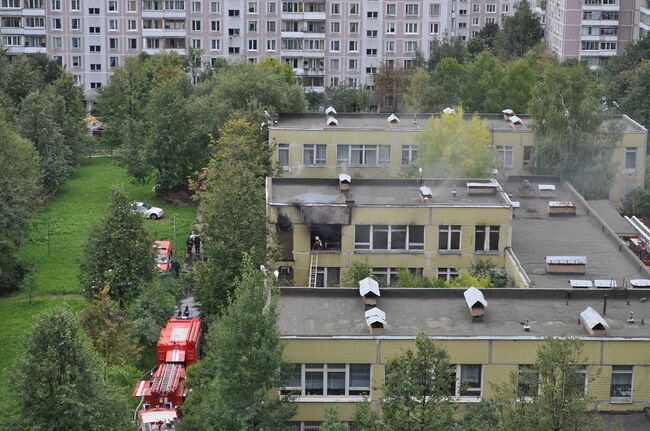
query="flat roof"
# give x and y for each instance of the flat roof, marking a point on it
(378, 192)
(411, 122)
(536, 235)
(608, 213)
(339, 312)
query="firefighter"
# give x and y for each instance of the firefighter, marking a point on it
(318, 244)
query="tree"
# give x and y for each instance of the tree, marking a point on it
(357, 271)
(572, 140)
(515, 88)
(448, 81)
(634, 101)
(520, 32)
(554, 388)
(37, 122)
(390, 83)
(454, 147)
(416, 389)
(117, 252)
(152, 309)
(483, 76)
(230, 386)
(447, 48)
(19, 189)
(56, 384)
(20, 79)
(347, 99)
(488, 35)
(418, 92)
(233, 213)
(333, 421)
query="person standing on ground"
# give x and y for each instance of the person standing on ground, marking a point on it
(189, 242)
(197, 244)
(176, 267)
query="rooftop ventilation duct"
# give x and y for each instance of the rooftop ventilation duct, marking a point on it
(392, 119)
(526, 190)
(640, 283)
(330, 111)
(566, 264)
(476, 303)
(448, 110)
(331, 121)
(581, 284)
(482, 188)
(546, 190)
(516, 121)
(426, 193)
(369, 290)
(376, 320)
(593, 322)
(605, 284)
(345, 182)
(507, 113)
(561, 208)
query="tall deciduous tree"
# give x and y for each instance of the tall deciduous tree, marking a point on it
(230, 387)
(572, 140)
(69, 111)
(333, 421)
(418, 92)
(416, 389)
(554, 389)
(232, 212)
(19, 188)
(481, 87)
(455, 147)
(390, 83)
(520, 32)
(514, 90)
(635, 99)
(448, 47)
(57, 385)
(117, 253)
(448, 82)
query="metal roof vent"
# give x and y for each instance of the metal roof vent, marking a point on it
(376, 320)
(476, 303)
(566, 264)
(515, 121)
(331, 121)
(640, 283)
(482, 188)
(392, 119)
(593, 322)
(369, 289)
(581, 284)
(345, 182)
(330, 111)
(508, 113)
(426, 193)
(561, 208)
(448, 110)
(605, 284)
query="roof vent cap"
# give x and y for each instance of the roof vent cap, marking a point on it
(331, 121)
(345, 181)
(448, 110)
(330, 111)
(426, 193)
(508, 112)
(476, 303)
(369, 290)
(376, 320)
(593, 322)
(393, 119)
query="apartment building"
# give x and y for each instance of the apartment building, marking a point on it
(338, 361)
(313, 145)
(328, 43)
(592, 30)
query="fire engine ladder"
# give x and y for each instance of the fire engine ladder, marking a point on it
(167, 383)
(313, 269)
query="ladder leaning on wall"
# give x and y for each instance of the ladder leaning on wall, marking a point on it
(313, 269)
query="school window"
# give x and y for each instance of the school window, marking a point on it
(371, 33)
(76, 42)
(390, 28)
(575, 381)
(353, 46)
(372, 14)
(215, 7)
(328, 277)
(412, 10)
(271, 45)
(196, 25)
(283, 155)
(76, 61)
(313, 380)
(389, 237)
(390, 46)
(434, 28)
(529, 150)
(387, 277)
(486, 238)
(468, 381)
(446, 274)
(409, 154)
(112, 5)
(504, 157)
(410, 46)
(391, 9)
(449, 237)
(630, 158)
(252, 7)
(362, 154)
(314, 154)
(271, 8)
(434, 9)
(354, 9)
(411, 28)
(621, 387)
(527, 382)
(490, 8)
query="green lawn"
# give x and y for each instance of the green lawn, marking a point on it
(74, 210)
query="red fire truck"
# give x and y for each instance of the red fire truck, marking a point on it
(164, 393)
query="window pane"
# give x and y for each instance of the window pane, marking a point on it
(470, 377)
(455, 238)
(380, 237)
(333, 275)
(342, 154)
(371, 155)
(295, 378)
(494, 238)
(321, 154)
(384, 154)
(398, 237)
(283, 154)
(308, 155)
(357, 155)
(359, 379)
(314, 383)
(527, 381)
(362, 236)
(479, 238)
(336, 383)
(443, 239)
(416, 237)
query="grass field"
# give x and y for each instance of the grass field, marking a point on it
(70, 216)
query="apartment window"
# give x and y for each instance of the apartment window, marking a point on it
(56, 4)
(271, 45)
(336, 8)
(112, 25)
(434, 9)
(608, 46)
(271, 8)
(352, 64)
(475, 21)
(334, 81)
(434, 28)
(92, 10)
(371, 70)
(75, 5)
(271, 26)
(215, 25)
(389, 237)
(334, 64)
(233, 12)
(95, 85)
(354, 28)
(505, 8)
(630, 158)
(215, 44)
(409, 154)
(486, 238)
(335, 46)
(362, 154)
(446, 274)
(449, 237)
(132, 25)
(112, 43)
(233, 50)
(76, 61)
(252, 45)
(410, 46)
(313, 380)
(411, 9)
(112, 5)
(354, 8)
(621, 387)
(371, 52)
(95, 48)
(490, 8)
(94, 30)
(113, 62)
(462, 25)
(390, 28)
(133, 43)
(462, 11)
(75, 24)
(57, 42)
(196, 43)
(131, 6)
(196, 25)
(56, 23)
(328, 277)
(11, 40)
(196, 6)
(529, 151)
(489, 21)
(504, 157)
(476, 8)
(527, 382)
(76, 42)
(314, 154)
(10, 22)
(215, 7)
(371, 33)
(283, 155)
(391, 9)
(353, 46)
(252, 7)
(411, 28)
(390, 47)
(372, 14)
(94, 67)
(335, 27)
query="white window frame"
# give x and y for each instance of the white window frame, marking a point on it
(487, 231)
(324, 271)
(504, 156)
(410, 152)
(446, 274)
(282, 149)
(630, 151)
(450, 230)
(629, 370)
(382, 154)
(300, 392)
(459, 375)
(314, 150)
(360, 245)
(412, 9)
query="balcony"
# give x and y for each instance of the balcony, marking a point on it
(299, 16)
(598, 53)
(302, 53)
(33, 12)
(600, 22)
(599, 38)
(163, 14)
(154, 51)
(12, 30)
(163, 32)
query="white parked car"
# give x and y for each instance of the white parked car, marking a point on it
(147, 211)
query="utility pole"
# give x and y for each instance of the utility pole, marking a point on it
(174, 231)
